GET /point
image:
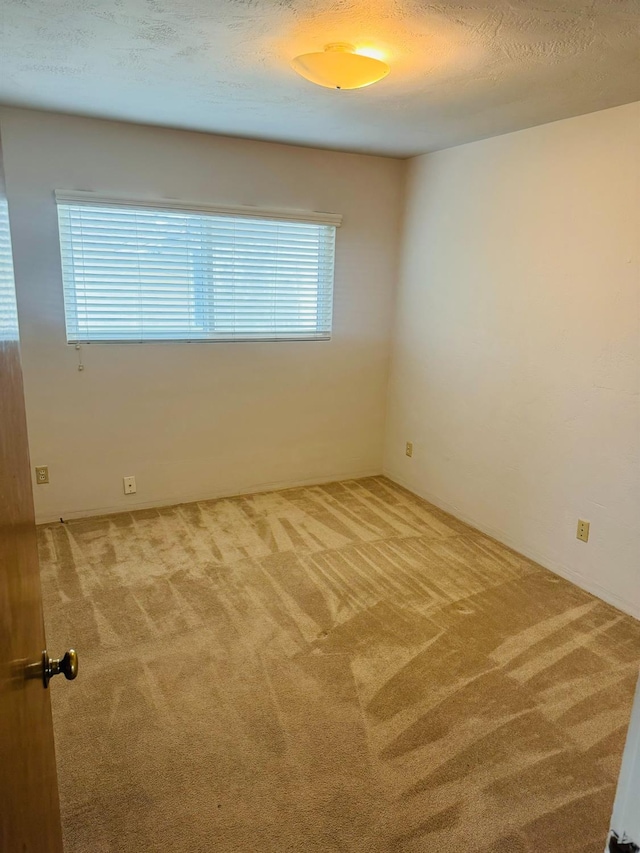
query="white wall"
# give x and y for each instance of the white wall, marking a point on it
(516, 361)
(198, 420)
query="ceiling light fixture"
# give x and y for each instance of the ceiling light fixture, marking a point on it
(339, 66)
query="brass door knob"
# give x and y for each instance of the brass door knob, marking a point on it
(67, 664)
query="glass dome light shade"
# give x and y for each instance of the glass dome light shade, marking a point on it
(339, 67)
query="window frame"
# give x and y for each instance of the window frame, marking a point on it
(91, 199)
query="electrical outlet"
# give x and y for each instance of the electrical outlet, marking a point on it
(42, 474)
(583, 530)
(129, 484)
(409, 448)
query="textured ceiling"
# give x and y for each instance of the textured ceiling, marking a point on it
(459, 70)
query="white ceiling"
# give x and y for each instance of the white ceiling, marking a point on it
(460, 70)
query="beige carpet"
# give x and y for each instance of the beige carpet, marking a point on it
(334, 668)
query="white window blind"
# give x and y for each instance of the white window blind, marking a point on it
(8, 313)
(147, 273)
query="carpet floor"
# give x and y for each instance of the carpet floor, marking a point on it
(333, 669)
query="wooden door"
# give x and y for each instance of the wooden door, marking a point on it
(29, 809)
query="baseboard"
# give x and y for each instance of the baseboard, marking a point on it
(502, 536)
(280, 485)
